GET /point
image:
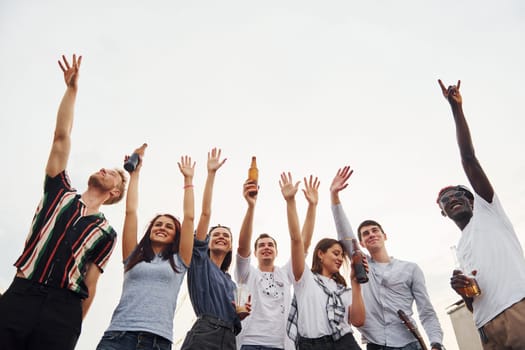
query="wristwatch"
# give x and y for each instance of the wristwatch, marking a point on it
(437, 346)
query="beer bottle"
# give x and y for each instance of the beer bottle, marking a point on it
(253, 174)
(357, 263)
(472, 289)
(132, 162)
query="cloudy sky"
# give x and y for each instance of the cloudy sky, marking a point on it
(306, 86)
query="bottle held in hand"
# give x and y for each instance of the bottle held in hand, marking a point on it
(472, 289)
(357, 263)
(253, 174)
(131, 164)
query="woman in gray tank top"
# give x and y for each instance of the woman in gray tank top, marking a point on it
(153, 270)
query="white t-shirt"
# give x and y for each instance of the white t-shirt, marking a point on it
(489, 245)
(270, 297)
(311, 305)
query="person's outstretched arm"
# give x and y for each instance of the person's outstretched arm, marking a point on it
(61, 147)
(214, 163)
(242, 263)
(475, 174)
(356, 311)
(425, 310)
(311, 193)
(130, 229)
(90, 279)
(289, 189)
(187, 168)
(344, 230)
(245, 235)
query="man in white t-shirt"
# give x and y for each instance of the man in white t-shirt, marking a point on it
(488, 248)
(269, 285)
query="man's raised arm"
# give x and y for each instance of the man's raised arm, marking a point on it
(475, 174)
(61, 147)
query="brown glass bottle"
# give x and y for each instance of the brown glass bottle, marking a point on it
(253, 174)
(357, 263)
(472, 289)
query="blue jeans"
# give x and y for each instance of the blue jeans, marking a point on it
(121, 340)
(410, 346)
(258, 347)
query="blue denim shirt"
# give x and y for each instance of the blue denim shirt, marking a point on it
(211, 290)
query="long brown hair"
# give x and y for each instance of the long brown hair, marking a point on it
(228, 257)
(144, 252)
(317, 267)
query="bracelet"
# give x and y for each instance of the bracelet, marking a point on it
(187, 186)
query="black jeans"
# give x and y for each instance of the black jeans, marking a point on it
(347, 342)
(411, 346)
(34, 316)
(210, 333)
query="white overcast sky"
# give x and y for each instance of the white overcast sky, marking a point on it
(306, 86)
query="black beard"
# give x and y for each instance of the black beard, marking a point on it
(462, 216)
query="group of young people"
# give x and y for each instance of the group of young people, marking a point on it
(291, 306)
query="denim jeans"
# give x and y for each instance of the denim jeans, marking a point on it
(122, 340)
(347, 342)
(258, 347)
(411, 346)
(209, 333)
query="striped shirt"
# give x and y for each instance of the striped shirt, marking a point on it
(63, 241)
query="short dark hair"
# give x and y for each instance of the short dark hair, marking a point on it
(367, 223)
(264, 235)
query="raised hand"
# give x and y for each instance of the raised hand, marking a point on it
(340, 181)
(250, 191)
(140, 151)
(310, 190)
(451, 93)
(186, 166)
(288, 189)
(71, 72)
(214, 162)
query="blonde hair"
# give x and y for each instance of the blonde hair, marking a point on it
(121, 187)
